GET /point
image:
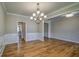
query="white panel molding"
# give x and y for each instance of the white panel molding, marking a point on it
(11, 38)
(34, 36)
(41, 36)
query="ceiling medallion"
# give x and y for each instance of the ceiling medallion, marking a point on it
(38, 16)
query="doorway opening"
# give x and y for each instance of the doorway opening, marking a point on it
(22, 31)
(45, 31)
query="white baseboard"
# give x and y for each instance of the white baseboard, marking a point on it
(66, 39)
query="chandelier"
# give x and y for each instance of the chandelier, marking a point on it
(38, 16)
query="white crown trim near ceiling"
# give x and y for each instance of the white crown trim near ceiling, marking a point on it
(52, 14)
(57, 13)
(17, 14)
(4, 7)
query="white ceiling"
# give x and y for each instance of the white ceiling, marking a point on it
(27, 8)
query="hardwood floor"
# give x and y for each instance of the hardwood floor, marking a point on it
(47, 48)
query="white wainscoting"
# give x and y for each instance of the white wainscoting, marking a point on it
(49, 35)
(41, 36)
(34, 36)
(70, 39)
(11, 38)
(2, 45)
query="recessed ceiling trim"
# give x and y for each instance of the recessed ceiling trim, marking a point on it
(69, 6)
(64, 13)
(50, 15)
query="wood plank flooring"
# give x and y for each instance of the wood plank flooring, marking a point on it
(47, 48)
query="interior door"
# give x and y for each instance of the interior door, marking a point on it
(21, 31)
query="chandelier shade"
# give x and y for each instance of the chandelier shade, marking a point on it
(38, 16)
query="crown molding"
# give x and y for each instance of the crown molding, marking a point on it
(4, 7)
(9, 13)
(57, 13)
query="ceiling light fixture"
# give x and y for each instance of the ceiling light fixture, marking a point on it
(38, 16)
(69, 15)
